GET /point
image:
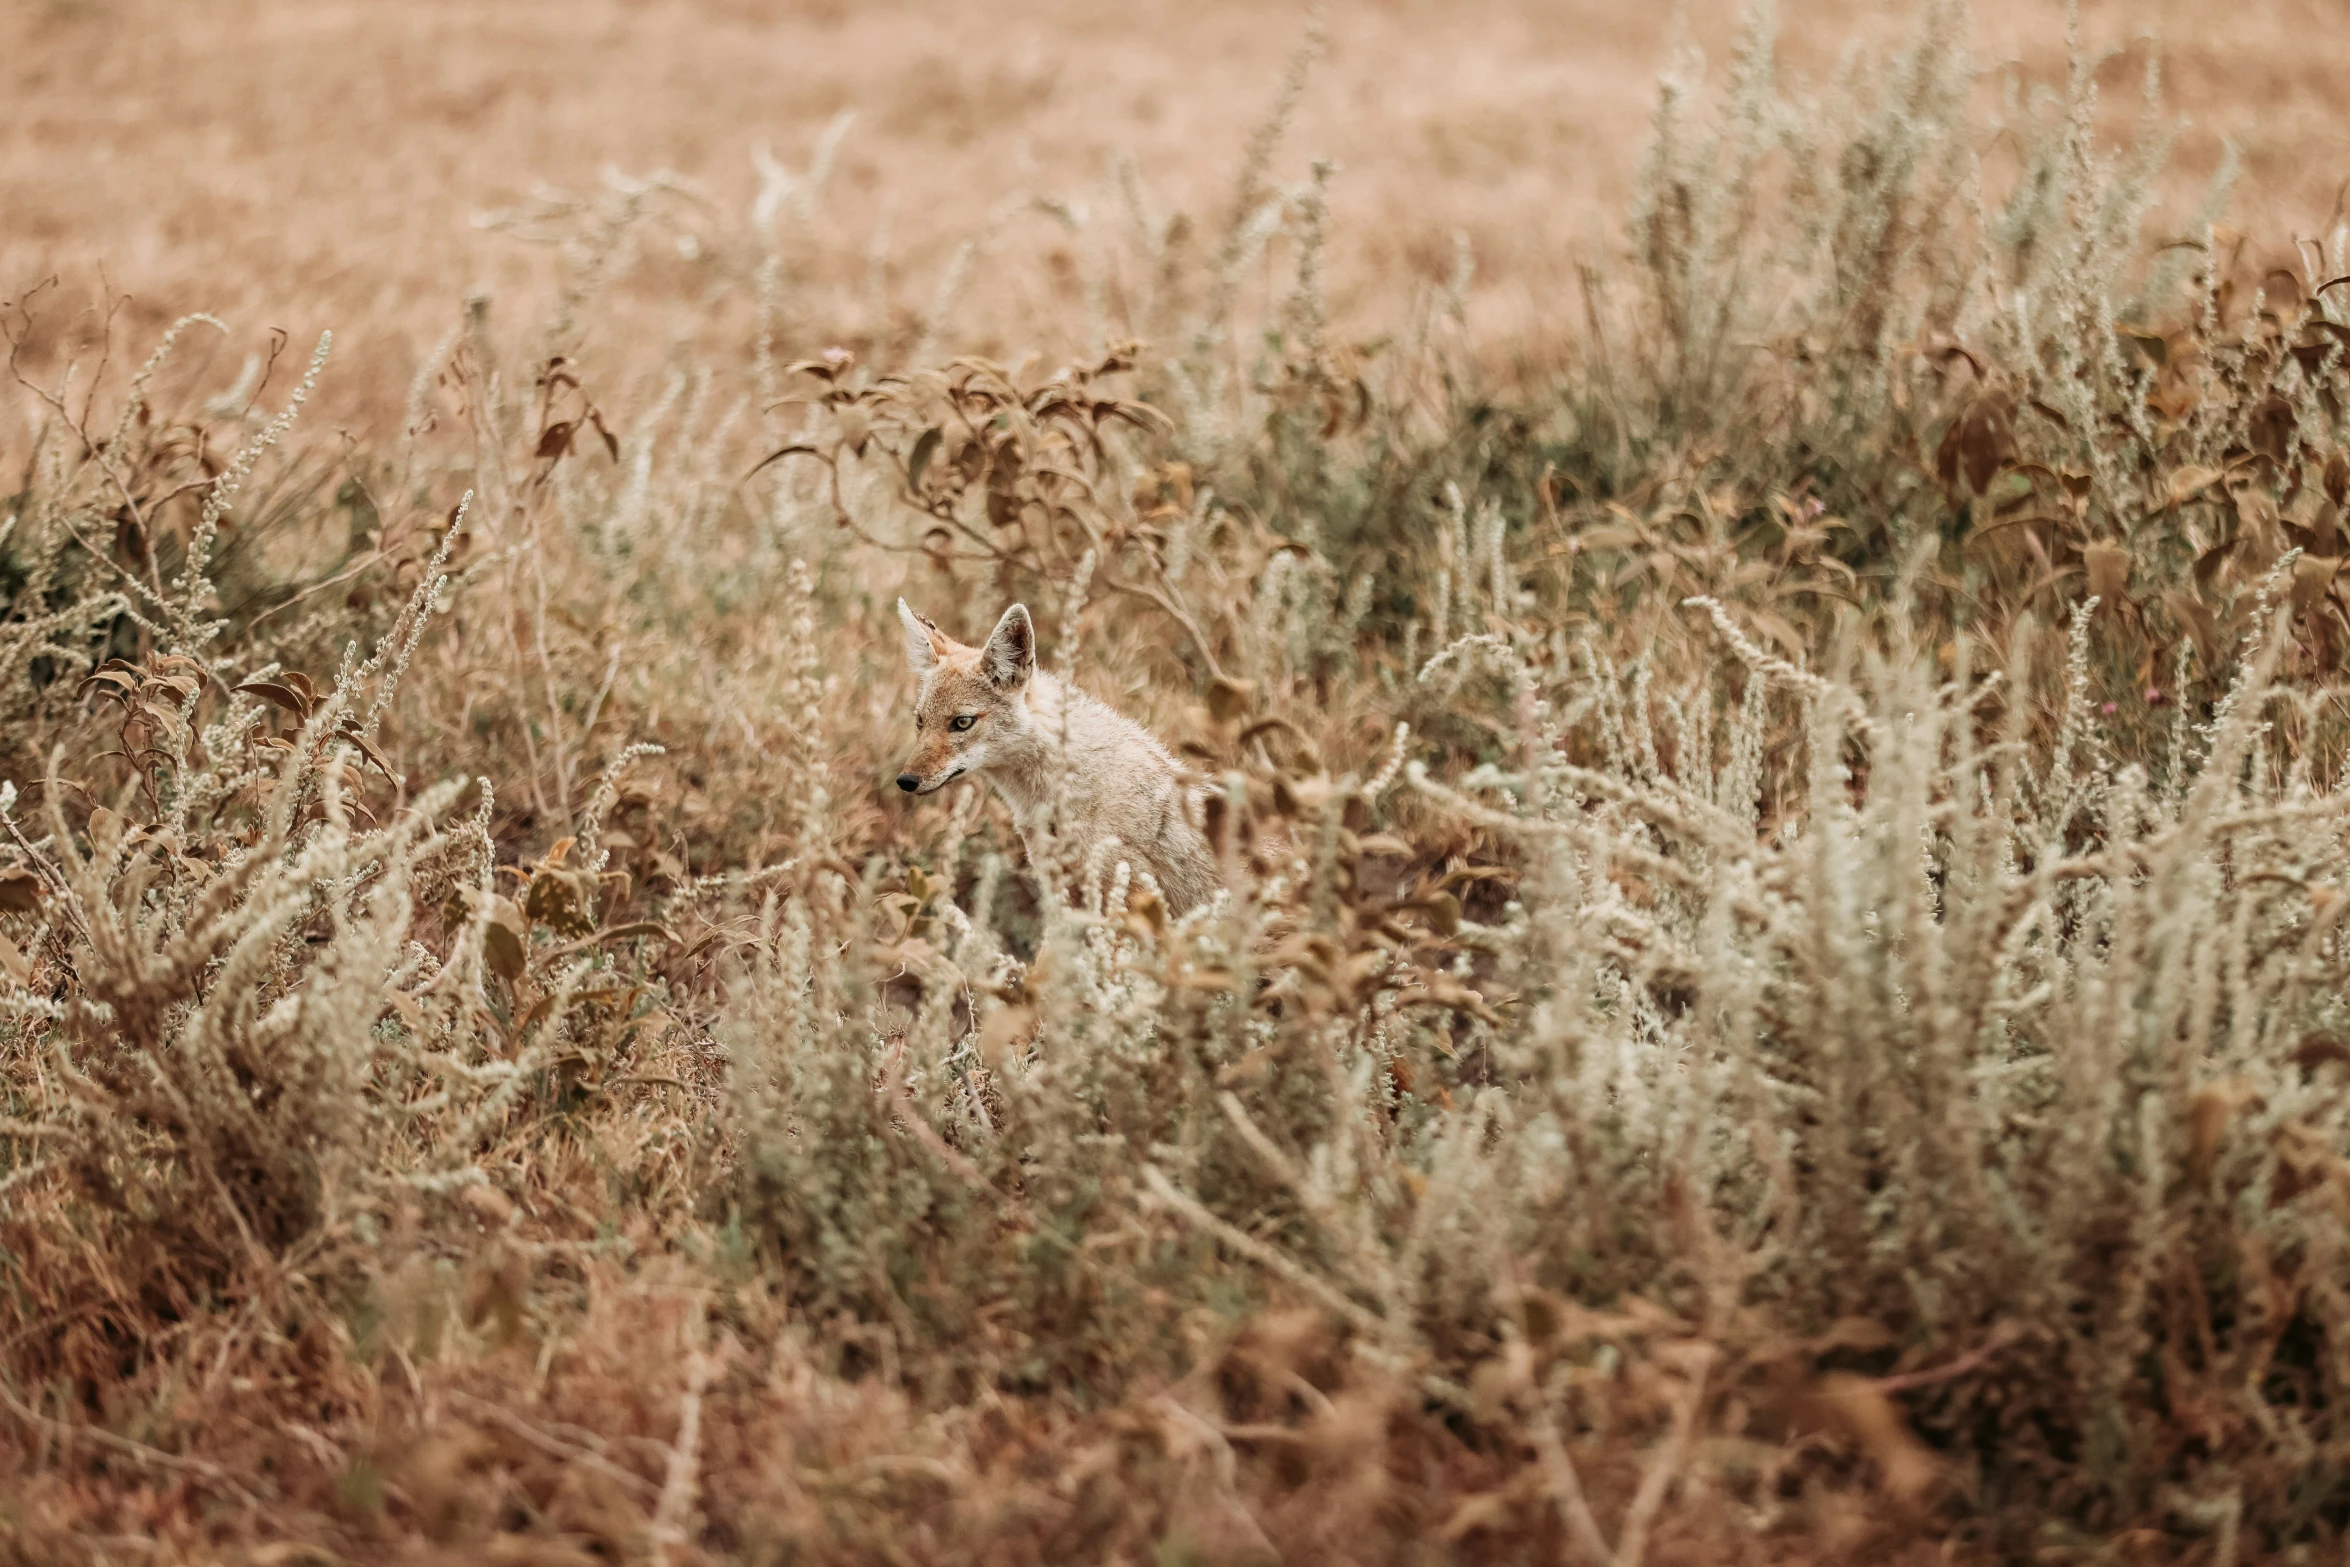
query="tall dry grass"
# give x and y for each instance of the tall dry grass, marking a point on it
(1780, 987)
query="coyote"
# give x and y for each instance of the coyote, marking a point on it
(1047, 745)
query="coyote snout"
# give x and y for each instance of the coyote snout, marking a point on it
(1050, 749)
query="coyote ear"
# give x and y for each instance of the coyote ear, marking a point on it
(1010, 654)
(924, 641)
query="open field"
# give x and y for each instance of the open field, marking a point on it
(320, 165)
(1762, 663)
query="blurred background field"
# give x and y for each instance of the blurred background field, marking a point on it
(1757, 607)
(306, 165)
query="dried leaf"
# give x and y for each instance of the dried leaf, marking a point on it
(2108, 567)
(648, 929)
(280, 693)
(1006, 1029)
(490, 1205)
(2208, 1114)
(1978, 443)
(106, 829)
(826, 369)
(925, 448)
(558, 901)
(2272, 427)
(1863, 1412)
(1230, 700)
(2196, 618)
(2312, 575)
(110, 681)
(20, 890)
(2152, 344)
(505, 939)
(1443, 911)
(611, 441)
(2185, 484)
(350, 731)
(2317, 1050)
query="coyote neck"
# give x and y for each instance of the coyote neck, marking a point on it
(1102, 778)
(1029, 772)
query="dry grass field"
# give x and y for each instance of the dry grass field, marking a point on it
(1760, 651)
(321, 165)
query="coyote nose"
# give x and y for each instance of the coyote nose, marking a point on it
(909, 782)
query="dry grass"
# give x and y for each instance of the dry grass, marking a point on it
(320, 165)
(1782, 992)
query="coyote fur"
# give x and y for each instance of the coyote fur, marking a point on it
(1110, 788)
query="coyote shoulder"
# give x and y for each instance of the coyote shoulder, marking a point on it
(1053, 753)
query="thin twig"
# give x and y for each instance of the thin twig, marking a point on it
(1657, 1478)
(675, 1508)
(556, 1447)
(196, 1468)
(1263, 1255)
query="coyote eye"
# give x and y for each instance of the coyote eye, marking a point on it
(965, 721)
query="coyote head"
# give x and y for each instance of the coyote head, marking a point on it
(972, 704)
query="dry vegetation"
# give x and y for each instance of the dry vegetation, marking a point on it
(322, 164)
(1782, 989)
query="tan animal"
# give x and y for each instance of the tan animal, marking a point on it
(1054, 754)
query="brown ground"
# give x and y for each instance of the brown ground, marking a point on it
(316, 163)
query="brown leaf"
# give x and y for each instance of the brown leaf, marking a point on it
(350, 731)
(111, 681)
(558, 901)
(611, 441)
(20, 890)
(2149, 342)
(2305, 1160)
(1230, 700)
(2108, 566)
(1979, 442)
(505, 940)
(490, 1205)
(2272, 426)
(2208, 1114)
(2312, 575)
(1006, 1029)
(2195, 617)
(925, 448)
(826, 369)
(641, 928)
(2317, 1050)
(106, 829)
(282, 694)
(1862, 1411)
(2185, 484)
